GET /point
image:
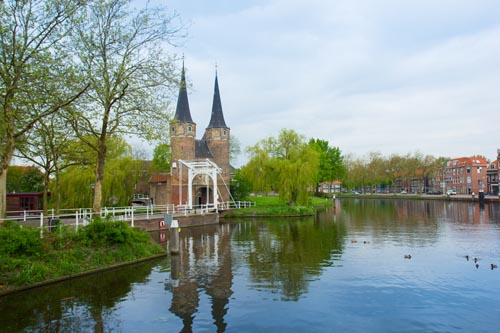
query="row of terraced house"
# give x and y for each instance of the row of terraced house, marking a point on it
(464, 175)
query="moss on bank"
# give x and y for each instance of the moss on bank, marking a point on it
(26, 258)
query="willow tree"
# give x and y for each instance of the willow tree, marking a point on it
(35, 79)
(122, 52)
(77, 180)
(286, 164)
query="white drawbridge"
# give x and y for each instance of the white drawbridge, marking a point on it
(196, 168)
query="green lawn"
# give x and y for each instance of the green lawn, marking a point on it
(272, 206)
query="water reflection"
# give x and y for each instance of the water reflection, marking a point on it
(79, 305)
(285, 255)
(341, 269)
(203, 264)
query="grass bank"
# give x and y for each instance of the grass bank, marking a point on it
(26, 258)
(269, 206)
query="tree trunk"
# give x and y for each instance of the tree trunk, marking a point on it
(7, 153)
(99, 173)
(3, 192)
(46, 181)
(57, 191)
(6, 158)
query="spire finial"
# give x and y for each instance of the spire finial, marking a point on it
(215, 67)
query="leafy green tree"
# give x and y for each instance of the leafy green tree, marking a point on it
(331, 161)
(286, 164)
(240, 186)
(121, 172)
(24, 179)
(161, 157)
(35, 77)
(121, 52)
(45, 147)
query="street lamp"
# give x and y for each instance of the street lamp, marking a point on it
(92, 186)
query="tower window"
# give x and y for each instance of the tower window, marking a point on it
(190, 128)
(224, 132)
(173, 128)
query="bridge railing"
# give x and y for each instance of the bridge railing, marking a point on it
(82, 216)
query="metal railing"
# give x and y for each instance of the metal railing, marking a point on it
(82, 216)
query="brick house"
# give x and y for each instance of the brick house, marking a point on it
(466, 175)
(200, 168)
(492, 175)
(330, 187)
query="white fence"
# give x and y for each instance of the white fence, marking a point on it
(82, 216)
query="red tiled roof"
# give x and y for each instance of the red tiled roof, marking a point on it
(462, 161)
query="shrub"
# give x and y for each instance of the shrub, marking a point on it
(15, 240)
(111, 233)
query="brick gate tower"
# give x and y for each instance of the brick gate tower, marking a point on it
(214, 147)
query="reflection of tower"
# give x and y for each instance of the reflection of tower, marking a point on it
(219, 286)
(204, 263)
(185, 295)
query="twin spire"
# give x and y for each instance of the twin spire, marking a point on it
(183, 114)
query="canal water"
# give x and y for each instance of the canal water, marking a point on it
(343, 270)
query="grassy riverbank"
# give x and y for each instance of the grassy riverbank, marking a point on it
(26, 258)
(272, 206)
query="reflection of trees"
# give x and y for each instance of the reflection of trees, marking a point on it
(285, 254)
(78, 305)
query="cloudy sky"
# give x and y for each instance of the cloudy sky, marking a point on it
(386, 76)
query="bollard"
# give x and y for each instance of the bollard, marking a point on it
(173, 245)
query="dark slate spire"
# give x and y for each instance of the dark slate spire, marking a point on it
(182, 112)
(217, 119)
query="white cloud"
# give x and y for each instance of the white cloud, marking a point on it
(389, 76)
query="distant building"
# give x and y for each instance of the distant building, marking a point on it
(330, 187)
(24, 201)
(466, 175)
(492, 175)
(200, 168)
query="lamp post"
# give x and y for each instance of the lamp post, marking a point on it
(92, 186)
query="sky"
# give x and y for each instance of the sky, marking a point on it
(387, 76)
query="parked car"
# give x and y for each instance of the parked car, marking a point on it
(434, 192)
(451, 192)
(403, 192)
(355, 192)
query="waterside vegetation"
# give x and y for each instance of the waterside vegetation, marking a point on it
(27, 258)
(269, 206)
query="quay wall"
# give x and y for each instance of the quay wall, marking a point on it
(184, 221)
